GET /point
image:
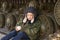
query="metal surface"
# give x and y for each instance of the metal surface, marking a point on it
(57, 12)
(2, 20)
(10, 21)
(46, 26)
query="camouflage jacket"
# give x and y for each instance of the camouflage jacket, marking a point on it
(32, 30)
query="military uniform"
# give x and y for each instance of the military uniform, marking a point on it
(31, 29)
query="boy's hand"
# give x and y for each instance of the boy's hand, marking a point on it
(18, 28)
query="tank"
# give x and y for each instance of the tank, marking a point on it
(11, 10)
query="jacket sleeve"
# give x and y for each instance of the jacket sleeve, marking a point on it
(19, 23)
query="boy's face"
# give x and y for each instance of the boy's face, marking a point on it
(30, 16)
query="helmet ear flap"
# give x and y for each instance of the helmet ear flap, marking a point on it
(25, 20)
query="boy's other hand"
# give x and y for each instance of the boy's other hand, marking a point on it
(18, 28)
